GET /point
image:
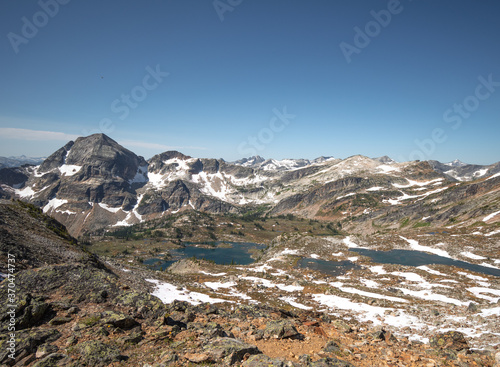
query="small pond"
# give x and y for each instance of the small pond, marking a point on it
(418, 258)
(222, 253)
(333, 268)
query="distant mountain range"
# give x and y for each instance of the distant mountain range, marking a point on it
(19, 161)
(94, 183)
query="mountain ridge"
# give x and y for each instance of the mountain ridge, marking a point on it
(94, 183)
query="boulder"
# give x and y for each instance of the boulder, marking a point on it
(262, 360)
(331, 347)
(331, 362)
(280, 330)
(118, 319)
(229, 350)
(452, 340)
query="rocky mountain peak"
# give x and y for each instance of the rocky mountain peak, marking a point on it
(385, 159)
(159, 159)
(322, 159)
(94, 155)
(250, 162)
(456, 163)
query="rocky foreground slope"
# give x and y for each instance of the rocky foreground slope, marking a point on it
(73, 309)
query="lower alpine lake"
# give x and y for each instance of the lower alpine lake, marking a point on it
(333, 268)
(220, 252)
(418, 258)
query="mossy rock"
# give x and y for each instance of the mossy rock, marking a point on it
(229, 350)
(342, 326)
(27, 342)
(331, 362)
(54, 359)
(30, 311)
(262, 360)
(60, 320)
(452, 340)
(80, 281)
(143, 302)
(280, 330)
(118, 319)
(96, 354)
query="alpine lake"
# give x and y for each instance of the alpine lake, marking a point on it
(245, 253)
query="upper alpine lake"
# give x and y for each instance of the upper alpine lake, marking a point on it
(418, 258)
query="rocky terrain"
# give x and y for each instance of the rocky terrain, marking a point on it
(94, 183)
(363, 261)
(75, 309)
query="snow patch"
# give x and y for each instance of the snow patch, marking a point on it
(470, 255)
(491, 216)
(295, 304)
(375, 188)
(69, 169)
(348, 242)
(168, 293)
(108, 208)
(417, 247)
(141, 175)
(54, 204)
(494, 176)
(379, 269)
(431, 271)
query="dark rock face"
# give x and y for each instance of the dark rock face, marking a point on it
(56, 159)
(13, 176)
(94, 169)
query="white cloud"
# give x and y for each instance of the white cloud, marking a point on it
(34, 135)
(11, 133)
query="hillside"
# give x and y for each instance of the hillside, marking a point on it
(75, 309)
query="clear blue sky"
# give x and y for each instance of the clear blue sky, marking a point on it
(67, 71)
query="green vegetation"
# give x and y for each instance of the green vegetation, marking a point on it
(404, 222)
(366, 200)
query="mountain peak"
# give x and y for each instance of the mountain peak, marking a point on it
(456, 163)
(385, 159)
(99, 153)
(251, 161)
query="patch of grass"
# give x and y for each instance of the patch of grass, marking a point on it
(404, 222)
(91, 320)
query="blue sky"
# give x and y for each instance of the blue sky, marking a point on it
(228, 78)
